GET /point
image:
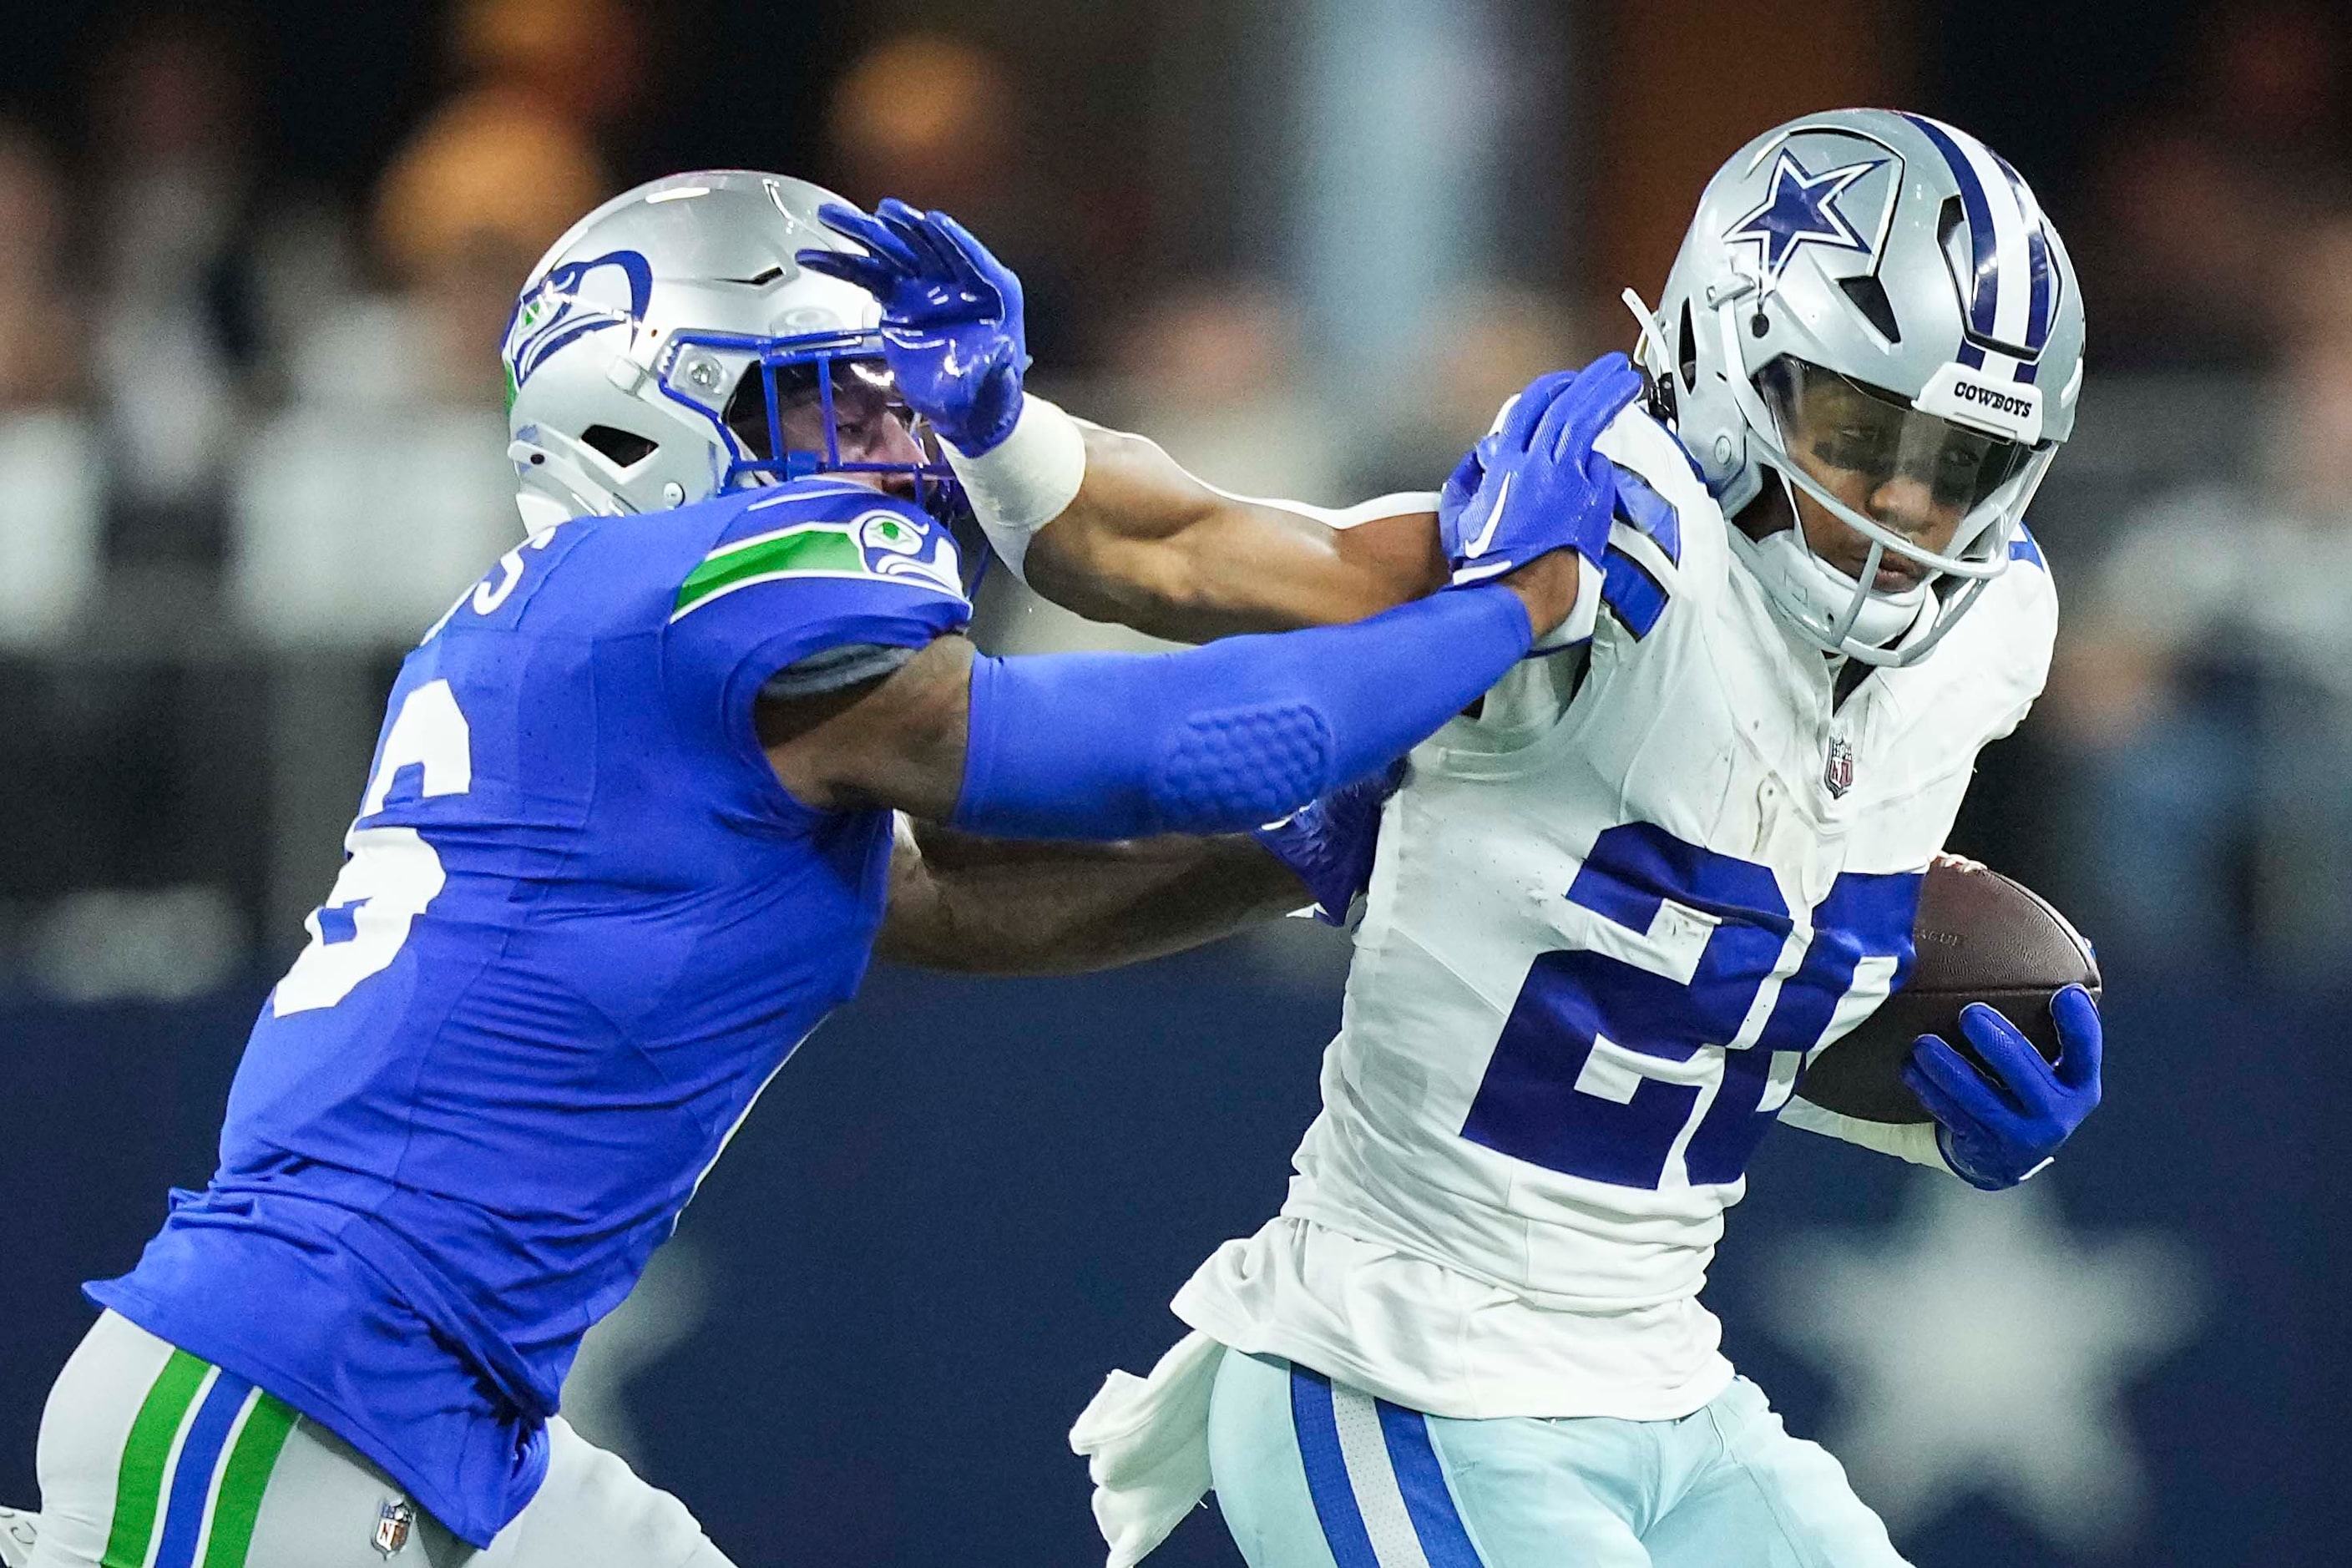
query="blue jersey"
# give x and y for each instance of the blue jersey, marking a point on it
(580, 926)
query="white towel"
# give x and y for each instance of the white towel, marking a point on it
(1146, 1440)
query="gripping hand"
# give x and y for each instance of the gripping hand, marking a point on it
(1995, 1134)
(1534, 484)
(1330, 843)
(952, 327)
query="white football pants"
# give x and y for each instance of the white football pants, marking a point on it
(1312, 1475)
(126, 1478)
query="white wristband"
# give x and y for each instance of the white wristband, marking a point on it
(1025, 480)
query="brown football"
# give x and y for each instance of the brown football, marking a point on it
(1980, 937)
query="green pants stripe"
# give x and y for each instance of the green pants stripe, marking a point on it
(146, 1457)
(235, 1494)
(244, 1477)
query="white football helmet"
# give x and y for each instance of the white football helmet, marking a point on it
(655, 342)
(1888, 285)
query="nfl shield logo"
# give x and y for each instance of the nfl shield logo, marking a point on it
(394, 1520)
(1839, 773)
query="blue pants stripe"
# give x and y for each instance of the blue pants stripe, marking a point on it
(1318, 1431)
(191, 1480)
(1436, 1520)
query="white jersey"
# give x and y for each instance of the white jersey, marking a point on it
(1612, 921)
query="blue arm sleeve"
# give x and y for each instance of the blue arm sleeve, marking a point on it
(1222, 738)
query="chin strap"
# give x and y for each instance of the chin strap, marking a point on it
(1820, 600)
(1650, 350)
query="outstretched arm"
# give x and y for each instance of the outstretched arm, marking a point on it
(1132, 537)
(1208, 740)
(997, 906)
(1107, 525)
(1145, 543)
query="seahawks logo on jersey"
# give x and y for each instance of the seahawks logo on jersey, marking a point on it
(577, 298)
(893, 546)
(880, 543)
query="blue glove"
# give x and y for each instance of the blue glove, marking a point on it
(1995, 1134)
(951, 326)
(1534, 484)
(1331, 842)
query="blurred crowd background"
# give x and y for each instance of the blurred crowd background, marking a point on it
(256, 256)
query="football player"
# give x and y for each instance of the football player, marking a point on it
(1616, 910)
(625, 841)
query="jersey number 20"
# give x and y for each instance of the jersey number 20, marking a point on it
(392, 874)
(1658, 1055)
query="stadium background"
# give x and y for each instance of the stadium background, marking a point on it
(253, 261)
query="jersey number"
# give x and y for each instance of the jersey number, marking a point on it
(392, 874)
(1656, 1055)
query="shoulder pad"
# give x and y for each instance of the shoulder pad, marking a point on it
(1668, 540)
(2008, 637)
(825, 528)
(1660, 493)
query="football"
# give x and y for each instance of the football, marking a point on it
(1980, 937)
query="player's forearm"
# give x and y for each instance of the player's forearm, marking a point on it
(1146, 545)
(1208, 740)
(987, 906)
(1911, 1141)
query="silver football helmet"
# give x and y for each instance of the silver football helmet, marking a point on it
(1871, 305)
(656, 343)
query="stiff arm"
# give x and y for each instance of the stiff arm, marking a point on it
(995, 906)
(1144, 543)
(1106, 746)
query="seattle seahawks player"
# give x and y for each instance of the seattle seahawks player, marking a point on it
(1615, 914)
(625, 841)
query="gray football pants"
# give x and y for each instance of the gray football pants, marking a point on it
(148, 1457)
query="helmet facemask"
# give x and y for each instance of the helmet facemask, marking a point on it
(789, 408)
(1931, 498)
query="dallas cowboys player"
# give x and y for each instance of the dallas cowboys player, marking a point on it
(1615, 914)
(625, 841)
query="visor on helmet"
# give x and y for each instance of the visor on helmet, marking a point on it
(756, 393)
(1867, 441)
(1917, 488)
(750, 389)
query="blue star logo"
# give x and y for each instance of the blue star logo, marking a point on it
(1801, 209)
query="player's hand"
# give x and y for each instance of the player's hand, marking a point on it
(951, 326)
(1995, 1134)
(1330, 844)
(1534, 484)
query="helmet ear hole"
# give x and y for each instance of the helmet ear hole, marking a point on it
(625, 448)
(1947, 219)
(1869, 297)
(1687, 349)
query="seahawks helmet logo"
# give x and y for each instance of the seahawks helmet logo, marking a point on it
(892, 545)
(577, 298)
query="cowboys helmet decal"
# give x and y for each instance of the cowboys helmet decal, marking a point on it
(1801, 208)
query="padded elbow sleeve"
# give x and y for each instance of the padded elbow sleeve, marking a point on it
(1224, 737)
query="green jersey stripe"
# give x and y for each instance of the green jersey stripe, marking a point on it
(238, 1504)
(147, 1457)
(829, 550)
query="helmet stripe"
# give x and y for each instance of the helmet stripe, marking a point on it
(1984, 262)
(2005, 235)
(2043, 309)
